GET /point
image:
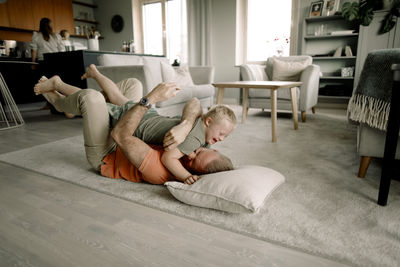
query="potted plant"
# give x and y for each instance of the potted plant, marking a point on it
(362, 13)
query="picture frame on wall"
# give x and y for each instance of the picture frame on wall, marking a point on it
(316, 9)
(331, 7)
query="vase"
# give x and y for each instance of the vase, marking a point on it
(93, 44)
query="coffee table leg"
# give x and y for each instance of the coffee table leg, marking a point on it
(273, 115)
(293, 98)
(220, 95)
(244, 104)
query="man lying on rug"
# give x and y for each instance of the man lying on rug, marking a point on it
(132, 159)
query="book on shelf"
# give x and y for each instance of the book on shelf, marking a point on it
(338, 52)
(347, 51)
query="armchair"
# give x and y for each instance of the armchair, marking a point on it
(291, 68)
(370, 104)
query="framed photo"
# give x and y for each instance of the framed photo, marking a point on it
(316, 8)
(331, 7)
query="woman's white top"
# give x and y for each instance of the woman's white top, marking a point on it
(54, 44)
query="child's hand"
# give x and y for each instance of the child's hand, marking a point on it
(191, 179)
(176, 136)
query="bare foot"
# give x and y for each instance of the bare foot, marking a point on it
(91, 72)
(46, 85)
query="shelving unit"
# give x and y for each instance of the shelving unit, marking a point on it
(320, 42)
(83, 17)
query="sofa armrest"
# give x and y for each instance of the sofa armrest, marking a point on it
(309, 89)
(202, 74)
(119, 73)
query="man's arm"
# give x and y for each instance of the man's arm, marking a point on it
(133, 148)
(178, 133)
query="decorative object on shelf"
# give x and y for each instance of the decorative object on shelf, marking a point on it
(338, 52)
(331, 7)
(320, 30)
(347, 51)
(362, 13)
(347, 71)
(117, 23)
(316, 8)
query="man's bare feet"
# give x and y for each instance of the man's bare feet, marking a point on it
(91, 72)
(46, 85)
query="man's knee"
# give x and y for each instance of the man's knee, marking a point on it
(131, 88)
(91, 96)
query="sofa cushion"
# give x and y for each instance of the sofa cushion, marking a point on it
(202, 91)
(179, 75)
(242, 190)
(153, 64)
(184, 95)
(256, 72)
(270, 61)
(119, 60)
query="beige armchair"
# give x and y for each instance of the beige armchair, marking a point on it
(291, 68)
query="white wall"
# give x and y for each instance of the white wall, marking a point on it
(106, 10)
(223, 40)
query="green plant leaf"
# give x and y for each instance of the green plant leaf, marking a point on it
(350, 10)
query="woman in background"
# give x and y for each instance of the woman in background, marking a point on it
(45, 41)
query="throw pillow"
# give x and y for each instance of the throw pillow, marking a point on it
(242, 190)
(179, 75)
(256, 72)
(288, 70)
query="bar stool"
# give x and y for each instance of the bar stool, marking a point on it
(10, 117)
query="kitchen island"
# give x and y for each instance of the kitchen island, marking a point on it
(71, 65)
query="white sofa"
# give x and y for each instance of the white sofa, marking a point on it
(148, 70)
(288, 66)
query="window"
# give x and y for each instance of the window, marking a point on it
(171, 41)
(268, 29)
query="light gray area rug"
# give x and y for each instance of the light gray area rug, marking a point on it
(322, 208)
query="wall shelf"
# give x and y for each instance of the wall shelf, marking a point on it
(87, 21)
(324, 18)
(336, 78)
(84, 4)
(329, 36)
(333, 58)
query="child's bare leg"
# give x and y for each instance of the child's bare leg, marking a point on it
(109, 87)
(54, 84)
(52, 98)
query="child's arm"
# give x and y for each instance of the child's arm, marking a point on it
(177, 134)
(171, 161)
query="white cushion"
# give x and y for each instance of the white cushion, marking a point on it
(288, 71)
(256, 72)
(202, 90)
(179, 75)
(184, 95)
(119, 60)
(154, 66)
(242, 190)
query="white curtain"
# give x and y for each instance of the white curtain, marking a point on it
(199, 32)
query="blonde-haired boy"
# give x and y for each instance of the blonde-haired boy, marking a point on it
(212, 127)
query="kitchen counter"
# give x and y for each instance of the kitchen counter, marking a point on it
(71, 65)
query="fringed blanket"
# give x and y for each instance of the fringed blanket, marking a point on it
(370, 102)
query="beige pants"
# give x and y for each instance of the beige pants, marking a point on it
(91, 105)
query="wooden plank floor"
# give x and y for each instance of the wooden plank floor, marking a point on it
(49, 222)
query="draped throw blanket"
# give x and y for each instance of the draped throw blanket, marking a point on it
(370, 103)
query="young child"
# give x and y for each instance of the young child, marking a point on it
(212, 127)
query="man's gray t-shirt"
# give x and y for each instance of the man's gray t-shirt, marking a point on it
(153, 127)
